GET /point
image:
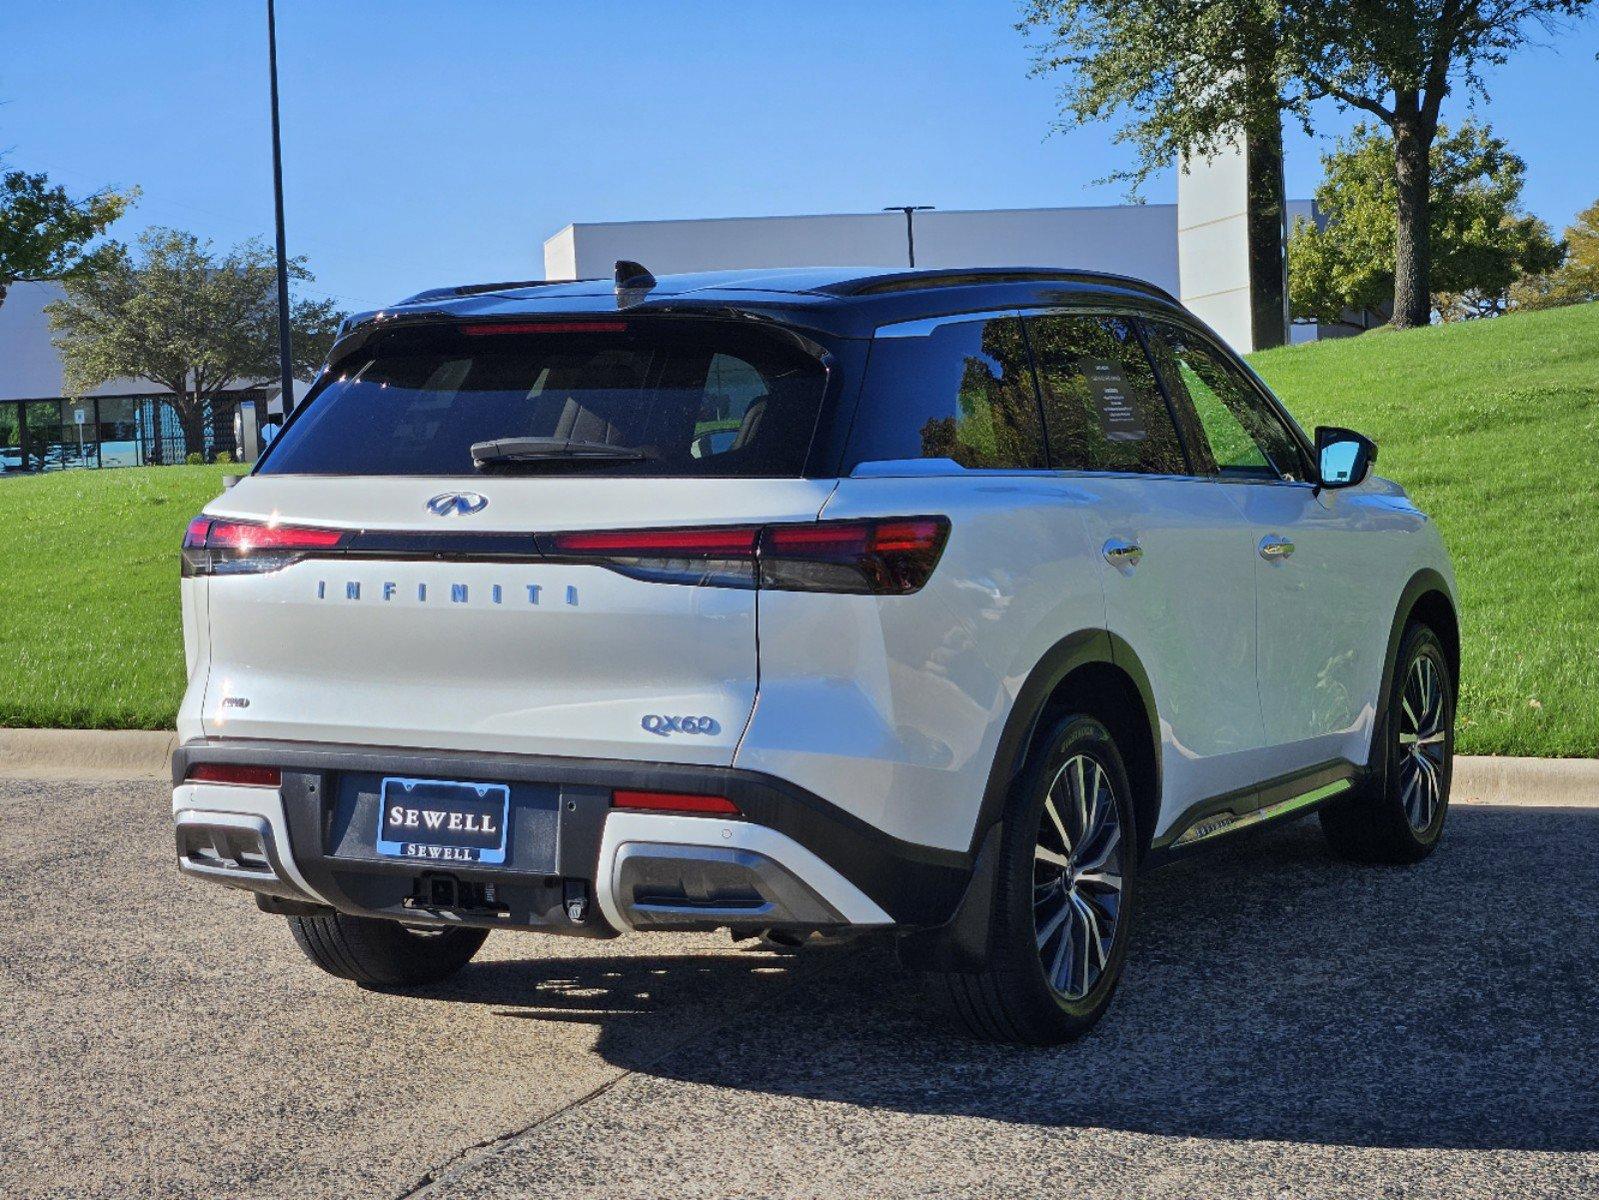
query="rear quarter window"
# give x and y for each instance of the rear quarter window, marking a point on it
(963, 391)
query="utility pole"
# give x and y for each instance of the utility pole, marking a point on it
(910, 211)
(285, 354)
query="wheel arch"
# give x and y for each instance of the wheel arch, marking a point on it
(1426, 597)
(1091, 671)
(1095, 672)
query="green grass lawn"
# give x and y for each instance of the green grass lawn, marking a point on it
(90, 632)
(1493, 426)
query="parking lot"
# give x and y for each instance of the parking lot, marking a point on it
(1289, 1026)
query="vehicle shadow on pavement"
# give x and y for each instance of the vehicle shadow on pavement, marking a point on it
(1272, 992)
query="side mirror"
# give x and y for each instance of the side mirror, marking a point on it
(1343, 457)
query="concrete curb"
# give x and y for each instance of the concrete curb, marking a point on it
(1526, 782)
(133, 754)
(85, 753)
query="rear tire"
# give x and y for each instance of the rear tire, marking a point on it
(1397, 815)
(376, 953)
(1063, 896)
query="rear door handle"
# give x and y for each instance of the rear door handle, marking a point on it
(1274, 548)
(1119, 552)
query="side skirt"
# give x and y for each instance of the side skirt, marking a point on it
(1280, 799)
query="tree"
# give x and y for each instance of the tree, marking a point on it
(1174, 65)
(1193, 80)
(1481, 242)
(1576, 281)
(190, 320)
(1397, 60)
(46, 234)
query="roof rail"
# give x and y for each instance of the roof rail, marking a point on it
(474, 289)
(906, 281)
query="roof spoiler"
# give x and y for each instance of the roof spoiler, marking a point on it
(475, 289)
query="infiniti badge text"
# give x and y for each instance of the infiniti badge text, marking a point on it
(454, 593)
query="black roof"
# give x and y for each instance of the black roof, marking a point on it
(841, 301)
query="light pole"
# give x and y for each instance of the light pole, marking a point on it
(285, 355)
(910, 211)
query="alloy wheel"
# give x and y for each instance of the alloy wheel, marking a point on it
(1077, 877)
(1423, 743)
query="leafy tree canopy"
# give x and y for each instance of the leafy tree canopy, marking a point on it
(1175, 72)
(46, 234)
(1481, 240)
(1186, 75)
(194, 321)
(1576, 281)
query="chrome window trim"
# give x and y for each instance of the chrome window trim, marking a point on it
(925, 326)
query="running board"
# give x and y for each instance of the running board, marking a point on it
(1218, 824)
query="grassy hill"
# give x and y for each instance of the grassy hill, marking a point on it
(1493, 426)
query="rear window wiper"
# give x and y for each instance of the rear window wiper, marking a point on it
(517, 450)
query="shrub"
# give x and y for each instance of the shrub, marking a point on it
(195, 458)
(224, 457)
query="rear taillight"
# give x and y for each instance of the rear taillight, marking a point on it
(677, 802)
(888, 556)
(717, 555)
(892, 556)
(221, 547)
(235, 773)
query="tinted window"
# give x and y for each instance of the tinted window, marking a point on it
(697, 399)
(1102, 408)
(963, 391)
(1241, 432)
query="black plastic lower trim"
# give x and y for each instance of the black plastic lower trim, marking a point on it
(916, 885)
(1247, 800)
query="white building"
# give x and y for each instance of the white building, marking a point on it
(1196, 249)
(121, 423)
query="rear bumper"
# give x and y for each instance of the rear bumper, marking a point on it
(791, 861)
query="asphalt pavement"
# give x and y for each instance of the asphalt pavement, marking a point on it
(1289, 1026)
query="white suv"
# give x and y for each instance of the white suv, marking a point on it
(798, 603)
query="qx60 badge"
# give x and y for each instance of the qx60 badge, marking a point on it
(457, 504)
(662, 725)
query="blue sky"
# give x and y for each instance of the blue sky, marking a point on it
(429, 143)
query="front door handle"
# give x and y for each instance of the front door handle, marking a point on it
(1274, 548)
(1119, 552)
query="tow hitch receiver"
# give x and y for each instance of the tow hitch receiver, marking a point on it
(439, 892)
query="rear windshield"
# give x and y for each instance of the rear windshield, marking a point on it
(696, 398)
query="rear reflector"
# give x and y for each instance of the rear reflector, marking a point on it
(236, 773)
(490, 329)
(678, 802)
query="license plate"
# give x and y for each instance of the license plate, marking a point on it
(435, 820)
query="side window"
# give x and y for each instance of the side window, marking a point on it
(1245, 437)
(963, 391)
(1102, 408)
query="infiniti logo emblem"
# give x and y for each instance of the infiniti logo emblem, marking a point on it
(457, 504)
